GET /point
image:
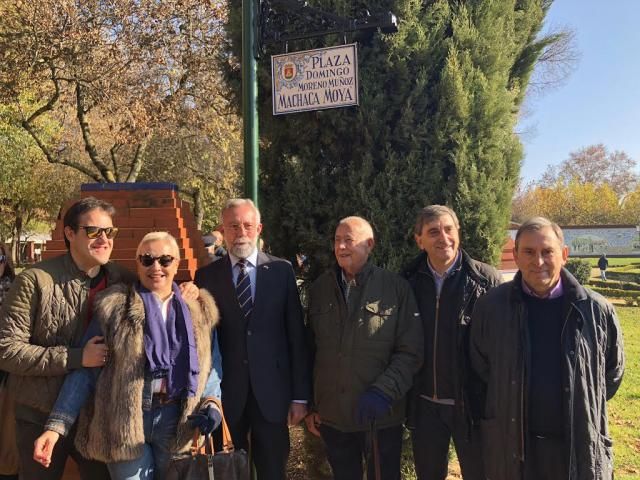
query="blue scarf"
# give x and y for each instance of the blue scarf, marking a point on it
(171, 348)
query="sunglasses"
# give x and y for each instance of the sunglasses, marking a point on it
(147, 260)
(95, 232)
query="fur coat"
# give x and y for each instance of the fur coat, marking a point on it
(110, 427)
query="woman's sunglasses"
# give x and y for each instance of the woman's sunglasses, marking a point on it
(147, 260)
(95, 232)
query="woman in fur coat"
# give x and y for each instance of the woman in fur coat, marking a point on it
(161, 376)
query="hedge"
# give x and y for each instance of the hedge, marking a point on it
(614, 284)
(616, 292)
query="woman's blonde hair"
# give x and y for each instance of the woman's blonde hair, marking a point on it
(160, 237)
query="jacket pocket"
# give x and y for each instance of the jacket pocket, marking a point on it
(323, 320)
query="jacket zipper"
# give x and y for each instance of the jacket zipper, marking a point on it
(460, 383)
(435, 348)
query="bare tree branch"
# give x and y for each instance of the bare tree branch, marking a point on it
(558, 60)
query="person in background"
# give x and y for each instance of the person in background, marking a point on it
(218, 243)
(213, 244)
(7, 273)
(603, 264)
(156, 382)
(550, 353)
(8, 447)
(367, 338)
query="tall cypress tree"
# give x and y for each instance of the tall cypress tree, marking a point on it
(438, 104)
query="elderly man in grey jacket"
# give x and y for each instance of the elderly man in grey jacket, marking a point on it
(367, 338)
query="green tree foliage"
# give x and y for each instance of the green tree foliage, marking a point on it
(438, 105)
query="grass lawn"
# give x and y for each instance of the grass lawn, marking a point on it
(624, 408)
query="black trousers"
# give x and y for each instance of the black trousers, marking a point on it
(26, 435)
(267, 442)
(545, 459)
(435, 426)
(347, 450)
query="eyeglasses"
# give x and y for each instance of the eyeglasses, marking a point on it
(147, 260)
(95, 232)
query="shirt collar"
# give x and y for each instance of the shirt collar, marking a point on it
(448, 271)
(359, 277)
(251, 259)
(555, 292)
(345, 281)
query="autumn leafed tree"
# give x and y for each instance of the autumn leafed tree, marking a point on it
(597, 165)
(592, 186)
(114, 75)
(206, 161)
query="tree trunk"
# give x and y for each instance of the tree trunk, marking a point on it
(17, 233)
(198, 211)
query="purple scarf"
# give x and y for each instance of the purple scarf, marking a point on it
(171, 348)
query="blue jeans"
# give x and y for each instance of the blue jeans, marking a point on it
(160, 436)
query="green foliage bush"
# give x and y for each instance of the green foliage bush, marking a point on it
(625, 274)
(579, 268)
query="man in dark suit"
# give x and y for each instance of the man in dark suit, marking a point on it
(266, 372)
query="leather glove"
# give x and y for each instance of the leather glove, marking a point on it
(206, 420)
(372, 404)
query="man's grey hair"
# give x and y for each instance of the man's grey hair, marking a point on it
(240, 202)
(361, 224)
(432, 212)
(536, 224)
(160, 237)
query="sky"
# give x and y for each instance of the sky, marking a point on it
(600, 101)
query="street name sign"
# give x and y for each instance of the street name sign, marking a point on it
(315, 79)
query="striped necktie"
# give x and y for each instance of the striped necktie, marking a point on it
(243, 289)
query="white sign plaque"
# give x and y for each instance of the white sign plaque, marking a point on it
(315, 79)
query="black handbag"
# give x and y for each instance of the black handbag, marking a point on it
(204, 463)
